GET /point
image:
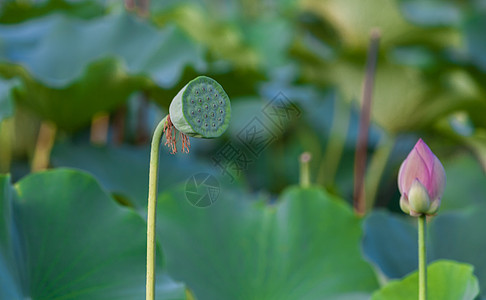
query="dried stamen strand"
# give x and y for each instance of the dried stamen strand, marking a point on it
(170, 138)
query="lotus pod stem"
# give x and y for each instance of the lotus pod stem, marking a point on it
(201, 109)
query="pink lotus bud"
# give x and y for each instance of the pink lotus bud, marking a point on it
(421, 181)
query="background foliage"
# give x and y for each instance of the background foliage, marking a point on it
(65, 65)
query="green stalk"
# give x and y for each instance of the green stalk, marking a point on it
(335, 145)
(422, 258)
(304, 169)
(152, 204)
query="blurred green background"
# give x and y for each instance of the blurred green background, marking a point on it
(84, 83)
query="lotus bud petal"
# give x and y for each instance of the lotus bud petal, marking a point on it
(421, 181)
(404, 205)
(418, 198)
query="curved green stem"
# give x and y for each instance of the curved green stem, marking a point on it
(152, 204)
(422, 258)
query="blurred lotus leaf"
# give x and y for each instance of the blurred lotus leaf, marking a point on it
(13, 11)
(73, 68)
(62, 236)
(447, 280)
(305, 246)
(391, 242)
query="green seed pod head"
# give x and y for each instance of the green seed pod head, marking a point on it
(201, 109)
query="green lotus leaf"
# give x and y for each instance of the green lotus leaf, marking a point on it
(127, 180)
(63, 237)
(305, 246)
(12, 11)
(353, 20)
(73, 68)
(447, 280)
(391, 241)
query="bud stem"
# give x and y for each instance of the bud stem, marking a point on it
(422, 258)
(152, 205)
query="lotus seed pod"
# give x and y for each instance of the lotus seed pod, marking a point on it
(201, 109)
